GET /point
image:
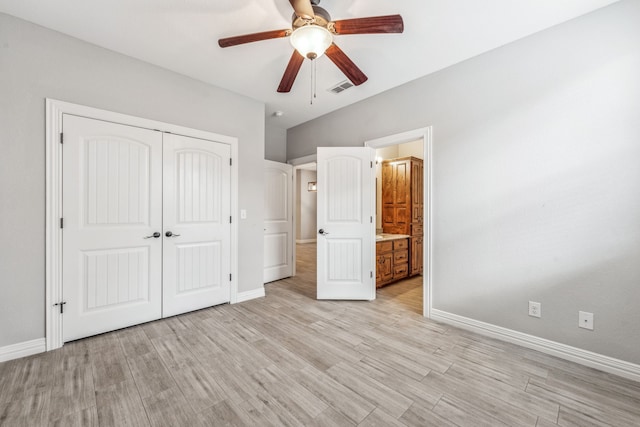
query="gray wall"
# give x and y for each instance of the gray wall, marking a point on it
(536, 184)
(275, 145)
(306, 205)
(36, 63)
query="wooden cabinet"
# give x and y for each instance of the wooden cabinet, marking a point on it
(416, 256)
(392, 261)
(403, 204)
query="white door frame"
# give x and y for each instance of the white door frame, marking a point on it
(300, 161)
(296, 195)
(426, 135)
(53, 233)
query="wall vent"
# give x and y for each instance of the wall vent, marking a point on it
(340, 87)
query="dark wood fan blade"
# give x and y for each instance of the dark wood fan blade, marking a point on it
(255, 37)
(346, 65)
(291, 72)
(302, 8)
(372, 25)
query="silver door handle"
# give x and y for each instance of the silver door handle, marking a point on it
(170, 234)
(321, 231)
(154, 235)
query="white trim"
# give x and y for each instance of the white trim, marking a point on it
(22, 349)
(53, 235)
(312, 158)
(563, 351)
(426, 134)
(294, 209)
(249, 295)
(300, 163)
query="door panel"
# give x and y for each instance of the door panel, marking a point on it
(346, 204)
(278, 221)
(112, 200)
(197, 229)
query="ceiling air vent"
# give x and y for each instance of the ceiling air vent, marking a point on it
(342, 86)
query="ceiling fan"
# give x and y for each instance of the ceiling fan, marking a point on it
(312, 35)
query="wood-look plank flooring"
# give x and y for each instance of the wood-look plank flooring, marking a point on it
(289, 360)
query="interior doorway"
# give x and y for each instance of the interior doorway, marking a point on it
(399, 239)
(409, 145)
(422, 136)
(306, 202)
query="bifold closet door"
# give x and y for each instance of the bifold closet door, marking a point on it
(147, 230)
(112, 206)
(197, 224)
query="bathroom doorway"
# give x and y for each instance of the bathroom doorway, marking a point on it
(399, 212)
(403, 233)
(408, 292)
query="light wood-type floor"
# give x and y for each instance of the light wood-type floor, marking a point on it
(290, 360)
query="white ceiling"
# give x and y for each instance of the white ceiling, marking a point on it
(181, 35)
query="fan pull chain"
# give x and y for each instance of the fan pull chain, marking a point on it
(314, 81)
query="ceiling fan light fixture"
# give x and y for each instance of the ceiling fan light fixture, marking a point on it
(311, 40)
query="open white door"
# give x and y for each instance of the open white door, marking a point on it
(278, 221)
(346, 227)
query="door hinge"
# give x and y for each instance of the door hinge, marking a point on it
(230, 161)
(371, 164)
(230, 220)
(230, 277)
(61, 138)
(371, 274)
(61, 304)
(371, 220)
(61, 222)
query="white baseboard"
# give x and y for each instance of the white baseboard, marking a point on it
(563, 351)
(249, 295)
(306, 241)
(22, 349)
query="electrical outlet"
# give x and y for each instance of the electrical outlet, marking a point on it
(585, 320)
(535, 309)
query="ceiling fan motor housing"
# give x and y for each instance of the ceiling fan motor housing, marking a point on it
(321, 18)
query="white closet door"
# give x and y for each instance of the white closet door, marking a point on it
(278, 221)
(197, 229)
(112, 184)
(346, 230)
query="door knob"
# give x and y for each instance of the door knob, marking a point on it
(154, 235)
(170, 234)
(321, 231)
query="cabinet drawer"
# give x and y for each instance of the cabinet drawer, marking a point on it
(400, 256)
(417, 230)
(382, 247)
(400, 271)
(401, 244)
